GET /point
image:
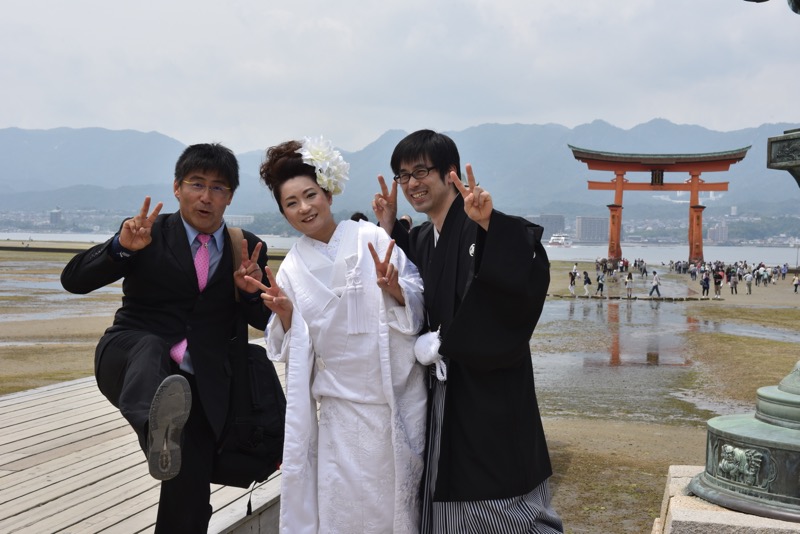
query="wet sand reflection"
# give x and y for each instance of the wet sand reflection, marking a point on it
(626, 358)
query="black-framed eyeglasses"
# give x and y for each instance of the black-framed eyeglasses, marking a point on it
(418, 174)
(200, 188)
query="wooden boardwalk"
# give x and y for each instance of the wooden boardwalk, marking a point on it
(70, 463)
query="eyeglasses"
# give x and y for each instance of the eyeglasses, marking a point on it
(418, 174)
(218, 191)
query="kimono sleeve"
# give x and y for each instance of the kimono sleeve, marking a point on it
(494, 323)
(512, 258)
(401, 237)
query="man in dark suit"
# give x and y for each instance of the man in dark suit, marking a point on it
(165, 362)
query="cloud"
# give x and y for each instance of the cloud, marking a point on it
(252, 74)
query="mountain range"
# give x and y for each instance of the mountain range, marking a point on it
(528, 169)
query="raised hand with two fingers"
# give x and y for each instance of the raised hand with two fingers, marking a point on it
(135, 232)
(274, 298)
(384, 205)
(388, 277)
(248, 269)
(477, 201)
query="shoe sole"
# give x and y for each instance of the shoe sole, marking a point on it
(169, 412)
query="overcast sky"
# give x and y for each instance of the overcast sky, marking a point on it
(253, 73)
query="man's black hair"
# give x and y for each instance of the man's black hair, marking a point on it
(209, 157)
(438, 148)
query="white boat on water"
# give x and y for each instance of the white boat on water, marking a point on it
(560, 240)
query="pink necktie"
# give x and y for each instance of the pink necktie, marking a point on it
(201, 258)
(201, 261)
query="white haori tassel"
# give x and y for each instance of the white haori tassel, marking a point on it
(356, 307)
(426, 350)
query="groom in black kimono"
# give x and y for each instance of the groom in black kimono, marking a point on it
(486, 276)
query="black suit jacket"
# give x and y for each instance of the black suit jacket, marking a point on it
(161, 297)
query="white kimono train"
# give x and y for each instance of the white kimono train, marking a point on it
(350, 347)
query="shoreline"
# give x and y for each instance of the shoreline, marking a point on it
(74, 247)
(655, 254)
(45, 246)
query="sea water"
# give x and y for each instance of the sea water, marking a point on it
(652, 254)
(272, 241)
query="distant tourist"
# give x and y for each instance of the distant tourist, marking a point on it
(406, 221)
(718, 277)
(705, 283)
(358, 216)
(656, 282)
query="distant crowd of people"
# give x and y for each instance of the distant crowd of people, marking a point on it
(718, 274)
(709, 274)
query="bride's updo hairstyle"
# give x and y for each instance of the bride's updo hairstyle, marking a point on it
(283, 163)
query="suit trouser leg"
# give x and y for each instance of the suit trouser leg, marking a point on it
(184, 503)
(129, 367)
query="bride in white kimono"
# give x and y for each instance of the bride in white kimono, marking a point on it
(348, 306)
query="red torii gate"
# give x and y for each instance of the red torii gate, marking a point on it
(657, 165)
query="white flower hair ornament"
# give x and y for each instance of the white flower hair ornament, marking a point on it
(331, 168)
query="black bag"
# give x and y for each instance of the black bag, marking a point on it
(252, 447)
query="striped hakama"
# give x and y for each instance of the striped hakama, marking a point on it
(529, 513)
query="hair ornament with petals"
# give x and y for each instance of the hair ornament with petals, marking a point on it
(331, 169)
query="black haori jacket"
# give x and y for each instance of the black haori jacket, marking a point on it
(161, 297)
(486, 290)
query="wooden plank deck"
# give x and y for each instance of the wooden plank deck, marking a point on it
(70, 463)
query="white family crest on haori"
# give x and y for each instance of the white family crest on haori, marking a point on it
(332, 169)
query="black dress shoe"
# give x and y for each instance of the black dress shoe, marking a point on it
(168, 414)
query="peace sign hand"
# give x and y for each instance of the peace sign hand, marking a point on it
(388, 277)
(248, 269)
(135, 232)
(384, 205)
(274, 298)
(477, 201)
